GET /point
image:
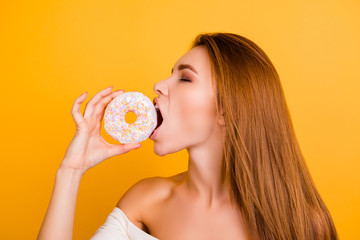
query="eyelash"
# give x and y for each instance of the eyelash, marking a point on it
(184, 80)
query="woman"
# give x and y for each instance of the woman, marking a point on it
(247, 177)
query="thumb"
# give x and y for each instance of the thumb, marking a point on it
(117, 149)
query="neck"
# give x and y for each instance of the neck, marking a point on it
(204, 179)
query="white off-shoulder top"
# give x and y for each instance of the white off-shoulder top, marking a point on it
(118, 227)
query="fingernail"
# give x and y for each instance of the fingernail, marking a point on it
(109, 87)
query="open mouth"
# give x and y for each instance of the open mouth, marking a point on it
(159, 117)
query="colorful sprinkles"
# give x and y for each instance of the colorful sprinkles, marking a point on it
(114, 117)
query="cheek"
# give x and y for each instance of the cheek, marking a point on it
(197, 112)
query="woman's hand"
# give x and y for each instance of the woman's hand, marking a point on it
(88, 148)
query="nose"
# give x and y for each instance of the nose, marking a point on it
(161, 88)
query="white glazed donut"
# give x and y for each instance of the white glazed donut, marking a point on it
(114, 117)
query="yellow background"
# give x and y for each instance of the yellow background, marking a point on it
(53, 51)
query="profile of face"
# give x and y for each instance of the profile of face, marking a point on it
(187, 104)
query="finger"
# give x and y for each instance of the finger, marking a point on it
(94, 100)
(75, 111)
(100, 107)
(117, 149)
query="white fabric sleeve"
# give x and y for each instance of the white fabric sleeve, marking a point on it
(116, 227)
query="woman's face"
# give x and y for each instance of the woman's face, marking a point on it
(187, 104)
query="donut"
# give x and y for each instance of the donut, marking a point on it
(146, 117)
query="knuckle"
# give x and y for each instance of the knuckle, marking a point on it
(74, 112)
(100, 106)
(103, 104)
(89, 105)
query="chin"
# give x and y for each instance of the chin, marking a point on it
(158, 150)
(163, 150)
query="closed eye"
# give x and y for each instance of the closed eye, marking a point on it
(184, 80)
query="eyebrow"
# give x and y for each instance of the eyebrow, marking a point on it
(183, 66)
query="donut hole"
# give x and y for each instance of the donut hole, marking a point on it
(130, 117)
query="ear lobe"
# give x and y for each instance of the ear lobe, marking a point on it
(221, 120)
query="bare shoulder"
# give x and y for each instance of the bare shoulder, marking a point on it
(178, 177)
(144, 193)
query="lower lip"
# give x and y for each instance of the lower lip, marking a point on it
(153, 136)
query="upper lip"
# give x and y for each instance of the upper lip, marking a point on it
(161, 120)
(156, 102)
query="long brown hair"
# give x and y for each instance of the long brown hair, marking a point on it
(262, 162)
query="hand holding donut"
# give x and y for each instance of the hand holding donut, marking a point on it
(88, 148)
